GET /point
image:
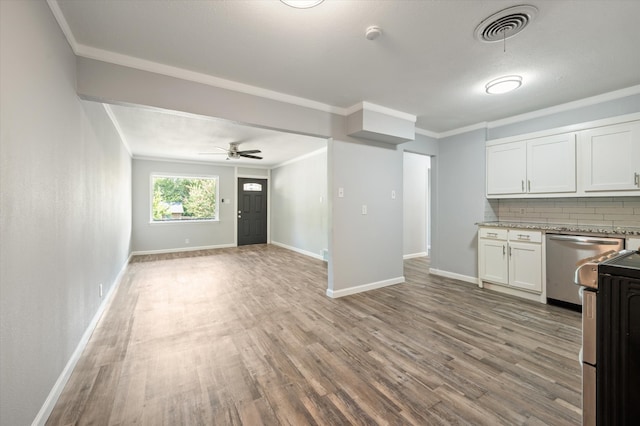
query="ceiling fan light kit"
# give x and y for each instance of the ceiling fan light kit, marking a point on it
(233, 153)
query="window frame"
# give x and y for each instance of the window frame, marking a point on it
(154, 175)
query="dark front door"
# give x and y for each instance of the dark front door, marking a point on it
(252, 211)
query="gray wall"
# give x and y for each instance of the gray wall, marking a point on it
(364, 249)
(299, 207)
(66, 208)
(460, 202)
(157, 237)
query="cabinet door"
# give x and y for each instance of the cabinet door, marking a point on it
(525, 266)
(492, 259)
(551, 164)
(506, 168)
(611, 158)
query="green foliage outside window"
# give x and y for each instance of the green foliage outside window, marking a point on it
(182, 198)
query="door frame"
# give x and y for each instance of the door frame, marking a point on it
(238, 175)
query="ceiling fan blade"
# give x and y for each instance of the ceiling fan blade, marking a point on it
(212, 153)
(250, 151)
(249, 156)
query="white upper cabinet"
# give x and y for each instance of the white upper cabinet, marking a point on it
(539, 166)
(551, 164)
(593, 159)
(611, 158)
(506, 168)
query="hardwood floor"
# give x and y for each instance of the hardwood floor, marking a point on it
(247, 336)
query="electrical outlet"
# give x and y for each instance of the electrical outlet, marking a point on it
(393, 195)
(186, 241)
(100, 289)
(364, 209)
(340, 192)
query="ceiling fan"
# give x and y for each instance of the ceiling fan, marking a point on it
(234, 153)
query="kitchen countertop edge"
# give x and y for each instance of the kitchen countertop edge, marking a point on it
(556, 228)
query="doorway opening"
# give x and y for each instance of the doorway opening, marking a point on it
(417, 206)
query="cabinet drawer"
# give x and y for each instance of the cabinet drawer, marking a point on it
(525, 236)
(493, 233)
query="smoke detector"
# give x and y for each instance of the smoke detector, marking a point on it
(505, 24)
(373, 32)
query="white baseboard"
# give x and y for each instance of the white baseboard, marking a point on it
(460, 277)
(365, 287)
(175, 250)
(298, 250)
(58, 387)
(414, 255)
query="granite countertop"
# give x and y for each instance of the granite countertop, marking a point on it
(555, 228)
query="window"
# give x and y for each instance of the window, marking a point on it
(252, 187)
(184, 198)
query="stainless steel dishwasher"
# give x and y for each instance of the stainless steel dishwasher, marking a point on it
(563, 254)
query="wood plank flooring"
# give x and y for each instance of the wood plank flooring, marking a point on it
(247, 336)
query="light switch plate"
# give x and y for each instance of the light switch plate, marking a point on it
(364, 209)
(340, 192)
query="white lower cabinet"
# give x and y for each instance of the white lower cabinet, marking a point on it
(525, 266)
(510, 258)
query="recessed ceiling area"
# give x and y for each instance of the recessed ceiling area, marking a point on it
(427, 62)
(156, 133)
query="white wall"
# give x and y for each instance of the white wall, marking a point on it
(365, 250)
(416, 206)
(65, 212)
(158, 237)
(299, 207)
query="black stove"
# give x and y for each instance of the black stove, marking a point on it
(611, 338)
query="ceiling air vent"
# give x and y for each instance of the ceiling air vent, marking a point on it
(505, 24)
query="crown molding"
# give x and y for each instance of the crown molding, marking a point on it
(482, 125)
(301, 157)
(116, 124)
(64, 25)
(428, 133)
(609, 96)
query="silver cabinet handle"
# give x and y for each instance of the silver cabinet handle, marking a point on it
(492, 234)
(524, 237)
(528, 186)
(503, 250)
(522, 185)
(636, 179)
(509, 251)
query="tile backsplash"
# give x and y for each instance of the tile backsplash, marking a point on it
(605, 211)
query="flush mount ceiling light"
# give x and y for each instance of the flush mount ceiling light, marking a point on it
(302, 4)
(503, 84)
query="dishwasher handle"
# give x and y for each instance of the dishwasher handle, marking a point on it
(586, 240)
